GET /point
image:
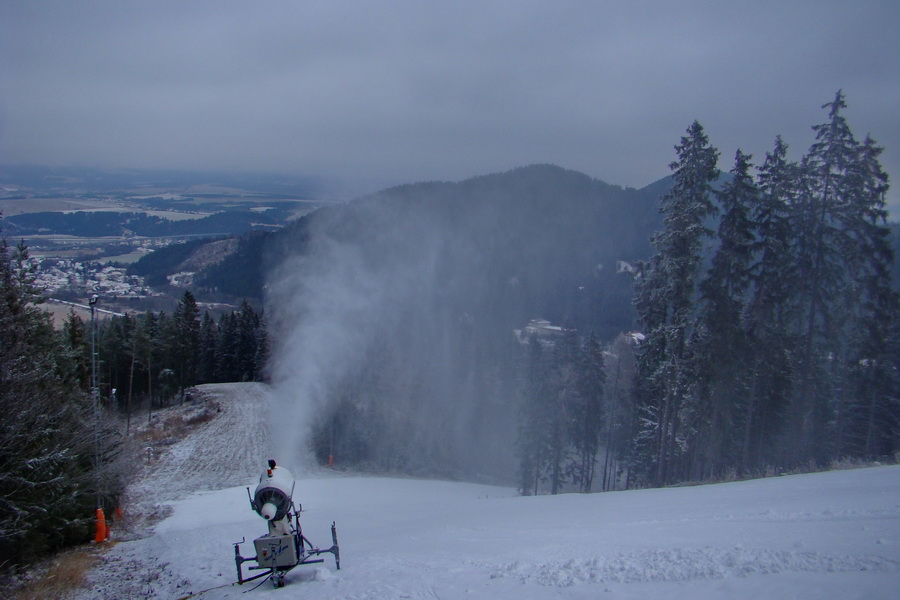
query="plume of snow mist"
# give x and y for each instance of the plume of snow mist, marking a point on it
(392, 322)
(372, 317)
(320, 306)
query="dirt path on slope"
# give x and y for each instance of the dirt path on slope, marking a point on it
(228, 451)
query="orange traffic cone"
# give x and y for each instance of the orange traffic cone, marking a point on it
(102, 529)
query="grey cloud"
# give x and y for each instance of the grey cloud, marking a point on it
(406, 91)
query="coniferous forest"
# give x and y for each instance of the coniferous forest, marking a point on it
(151, 359)
(61, 449)
(778, 349)
(56, 467)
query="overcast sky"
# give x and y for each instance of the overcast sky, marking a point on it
(411, 91)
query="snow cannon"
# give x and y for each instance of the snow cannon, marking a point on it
(284, 546)
(272, 498)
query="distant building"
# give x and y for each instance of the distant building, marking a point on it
(540, 329)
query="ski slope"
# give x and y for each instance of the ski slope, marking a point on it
(823, 535)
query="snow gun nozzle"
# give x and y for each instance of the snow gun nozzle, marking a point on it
(268, 511)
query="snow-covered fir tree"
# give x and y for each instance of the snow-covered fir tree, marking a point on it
(721, 344)
(665, 305)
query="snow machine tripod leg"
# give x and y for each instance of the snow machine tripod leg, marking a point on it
(239, 560)
(335, 549)
(313, 551)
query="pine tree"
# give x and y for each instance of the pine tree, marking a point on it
(665, 301)
(723, 357)
(49, 482)
(534, 415)
(772, 307)
(586, 413)
(186, 340)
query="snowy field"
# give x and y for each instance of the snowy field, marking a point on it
(824, 535)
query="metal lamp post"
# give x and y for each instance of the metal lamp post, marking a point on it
(95, 393)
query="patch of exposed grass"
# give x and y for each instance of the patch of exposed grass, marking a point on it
(66, 572)
(175, 423)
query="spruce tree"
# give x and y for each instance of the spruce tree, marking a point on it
(564, 398)
(665, 302)
(226, 348)
(832, 255)
(724, 354)
(49, 481)
(772, 307)
(868, 410)
(620, 410)
(535, 413)
(207, 364)
(114, 355)
(186, 340)
(261, 358)
(248, 325)
(587, 412)
(76, 335)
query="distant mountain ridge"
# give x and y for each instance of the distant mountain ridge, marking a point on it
(545, 241)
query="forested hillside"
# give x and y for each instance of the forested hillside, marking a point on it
(151, 358)
(58, 459)
(412, 298)
(555, 234)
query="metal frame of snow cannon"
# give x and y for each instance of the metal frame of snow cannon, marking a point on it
(304, 556)
(285, 546)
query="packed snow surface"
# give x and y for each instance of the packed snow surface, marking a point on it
(823, 535)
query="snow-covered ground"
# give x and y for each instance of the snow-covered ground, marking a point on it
(824, 535)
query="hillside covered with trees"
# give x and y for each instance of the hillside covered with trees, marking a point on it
(62, 447)
(406, 304)
(785, 350)
(58, 459)
(781, 351)
(153, 358)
